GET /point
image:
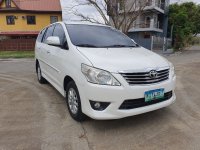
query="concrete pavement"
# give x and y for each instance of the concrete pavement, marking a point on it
(34, 116)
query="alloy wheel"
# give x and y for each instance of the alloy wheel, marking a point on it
(73, 101)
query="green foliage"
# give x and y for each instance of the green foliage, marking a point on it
(16, 54)
(195, 41)
(185, 21)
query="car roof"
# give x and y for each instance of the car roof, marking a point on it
(83, 23)
(77, 23)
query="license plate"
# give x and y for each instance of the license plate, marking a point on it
(154, 95)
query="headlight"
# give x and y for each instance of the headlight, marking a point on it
(98, 76)
(172, 69)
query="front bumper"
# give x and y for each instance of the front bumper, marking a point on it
(116, 95)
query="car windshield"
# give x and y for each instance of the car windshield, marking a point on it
(98, 36)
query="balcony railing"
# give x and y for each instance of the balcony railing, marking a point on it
(143, 25)
(151, 24)
(156, 4)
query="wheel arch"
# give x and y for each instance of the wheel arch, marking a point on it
(36, 64)
(67, 79)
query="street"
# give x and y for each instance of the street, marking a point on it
(34, 116)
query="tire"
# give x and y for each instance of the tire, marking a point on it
(41, 80)
(74, 103)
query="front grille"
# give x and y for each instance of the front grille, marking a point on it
(136, 103)
(144, 77)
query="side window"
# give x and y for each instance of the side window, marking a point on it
(48, 33)
(59, 32)
(40, 35)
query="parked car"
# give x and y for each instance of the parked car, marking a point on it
(102, 73)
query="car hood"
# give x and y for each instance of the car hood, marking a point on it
(123, 59)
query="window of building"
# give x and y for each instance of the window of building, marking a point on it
(8, 3)
(31, 20)
(147, 21)
(10, 20)
(53, 19)
(147, 35)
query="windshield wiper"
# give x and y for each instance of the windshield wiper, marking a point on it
(120, 46)
(86, 45)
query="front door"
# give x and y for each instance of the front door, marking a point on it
(59, 55)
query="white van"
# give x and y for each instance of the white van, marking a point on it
(102, 73)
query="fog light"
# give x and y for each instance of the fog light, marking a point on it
(99, 106)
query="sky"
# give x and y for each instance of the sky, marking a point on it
(68, 10)
(196, 1)
(68, 14)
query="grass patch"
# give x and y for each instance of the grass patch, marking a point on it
(17, 54)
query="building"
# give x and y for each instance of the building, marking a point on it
(150, 28)
(21, 21)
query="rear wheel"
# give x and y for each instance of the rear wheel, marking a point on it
(74, 102)
(39, 75)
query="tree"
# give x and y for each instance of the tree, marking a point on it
(197, 20)
(185, 21)
(121, 13)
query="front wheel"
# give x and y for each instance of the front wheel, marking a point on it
(74, 102)
(39, 75)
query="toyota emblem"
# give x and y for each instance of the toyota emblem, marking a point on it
(153, 74)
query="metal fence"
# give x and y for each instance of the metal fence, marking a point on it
(157, 43)
(17, 44)
(160, 43)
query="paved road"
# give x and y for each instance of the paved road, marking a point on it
(34, 116)
(194, 48)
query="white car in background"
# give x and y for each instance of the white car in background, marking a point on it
(102, 73)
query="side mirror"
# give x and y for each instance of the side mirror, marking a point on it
(53, 40)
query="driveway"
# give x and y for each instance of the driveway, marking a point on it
(34, 116)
